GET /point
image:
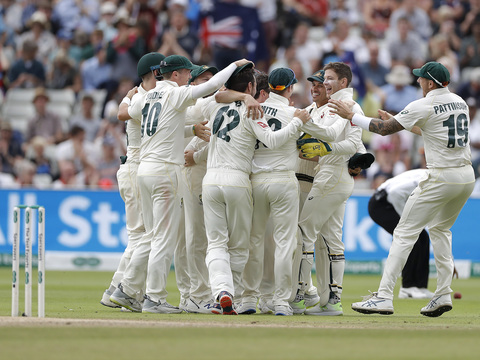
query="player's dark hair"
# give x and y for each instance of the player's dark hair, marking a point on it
(240, 81)
(341, 69)
(262, 83)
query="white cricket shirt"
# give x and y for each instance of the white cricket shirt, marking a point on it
(163, 122)
(234, 136)
(444, 119)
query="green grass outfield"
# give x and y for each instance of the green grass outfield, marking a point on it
(78, 327)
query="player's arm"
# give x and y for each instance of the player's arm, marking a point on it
(200, 130)
(275, 139)
(122, 114)
(379, 126)
(217, 81)
(254, 110)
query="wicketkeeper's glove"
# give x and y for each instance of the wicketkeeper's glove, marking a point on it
(305, 139)
(316, 148)
(362, 161)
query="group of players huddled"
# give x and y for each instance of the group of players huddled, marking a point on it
(242, 188)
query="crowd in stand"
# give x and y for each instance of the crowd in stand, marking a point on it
(83, 46)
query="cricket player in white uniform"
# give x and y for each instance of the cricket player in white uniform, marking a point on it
(200, 300)
(227, 193)
(324, 209)
(443, 118)
(148, 69)
(276, 195)
(161, 157)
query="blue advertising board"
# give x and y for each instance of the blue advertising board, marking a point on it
(94, 222)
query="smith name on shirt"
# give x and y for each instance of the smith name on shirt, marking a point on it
(269, 111)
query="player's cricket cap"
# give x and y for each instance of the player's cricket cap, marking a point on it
(200, 69)
(434, 71)
(281, 78)
(248, 65)
(149, 62)
(175, 62)
(318, 76)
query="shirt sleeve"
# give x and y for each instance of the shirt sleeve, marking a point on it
(349, 146)
(412, 115)
(325, 133)
(214, 83)
(274, 139)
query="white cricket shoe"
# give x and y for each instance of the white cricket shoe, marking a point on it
(311, 300)
(326, 310)
(298, 307)
(157, 307)
(120, 298)
(266, 307)
(372, 304)
(414, 293)
(283, 310)
(437, 306)
(106, 300)
(247, 308)
(200, 307)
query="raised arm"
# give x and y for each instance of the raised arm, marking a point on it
(217, 80)
(379, 126)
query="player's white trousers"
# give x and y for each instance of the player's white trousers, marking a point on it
(323, 210)
(161, 196)
(182, 275)
(128, 188)
(227, 205)
(435, 203)
(195, 236)
(275, 196)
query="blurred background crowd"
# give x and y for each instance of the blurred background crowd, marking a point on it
(65, 65)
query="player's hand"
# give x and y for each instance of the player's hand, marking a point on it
(202, 131)
(254, 110)
(455, 272)
(188, 155)
(340, 108)
(384, 115)
(132, 92)
(243, 62)
(318, 148)
(302, 114)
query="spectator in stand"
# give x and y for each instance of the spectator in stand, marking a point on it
(80, 47)
(109, 162)
(63, 74)
(469, 18)
(96, 39)
(27, 72)
(344, 9)
(44, 123)
(87, 119)
(405, 46)
(439, 47)
(374, 71)
(376, 15)
(470, 49)
(24, 171)
(67, 178)
(124, 51)
(398, 93)
(474, 134)
(72, 15)
(10, 148)
(307, 50)
(179, 38)
(37, 154)
(471, 88)
(447, 27)
(418, 18)
(83, 153)
(146, 12)
(107, 13)
(40, 34)
(313, 11)
(96, 71)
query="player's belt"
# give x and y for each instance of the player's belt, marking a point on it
(303, 177)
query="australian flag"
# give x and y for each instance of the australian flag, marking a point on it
(233, 26)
